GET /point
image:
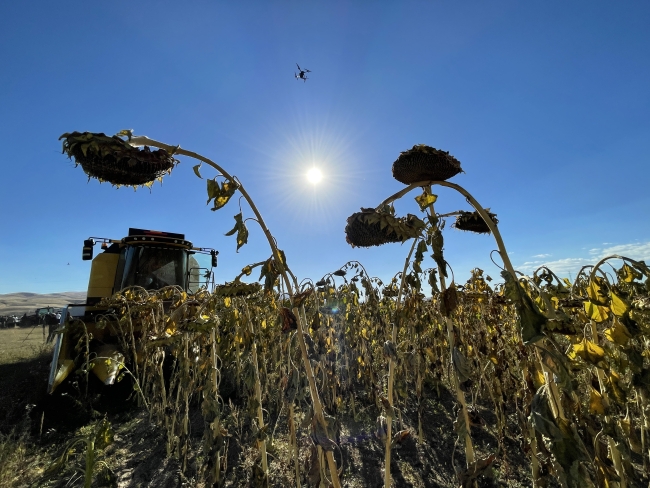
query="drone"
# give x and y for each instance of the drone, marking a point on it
(301, 76)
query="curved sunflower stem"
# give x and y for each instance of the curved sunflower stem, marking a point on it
(391, 371)
(637, 264)
(484, 215)
(316, 402)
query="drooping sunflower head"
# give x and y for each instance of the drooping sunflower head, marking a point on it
(236, 289)
(473, 222)
(424, 163)
(371, 227)
(114, 160)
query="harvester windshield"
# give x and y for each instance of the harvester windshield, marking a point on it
(153, 267)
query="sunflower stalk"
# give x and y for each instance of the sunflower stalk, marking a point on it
(391, 371)
(418, 387)
(532, 438)
(502, 252)
(602, 382)
(215, 380)
(294, 444)
(258, 394)
(238, 354)
(645, 428)
(460, 395)
(185, 426)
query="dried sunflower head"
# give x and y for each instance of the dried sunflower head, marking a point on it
(449, 300)
(424, 163)
(236, 289)
(114, 160)
(473, 222)
(373, 228)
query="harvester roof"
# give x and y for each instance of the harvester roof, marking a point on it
(154, 237)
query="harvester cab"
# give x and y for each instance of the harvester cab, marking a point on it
(145, 258)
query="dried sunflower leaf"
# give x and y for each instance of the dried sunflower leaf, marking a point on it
(628, 274)
(320, 437)
(596, 405)
(560, 367)
(541, 416)
(299, 298)
(618, 334)
(390, 351)
(425, 200)
(597, 313)
(105, 435)
(597, 292)
(619, 305)
(289, 321)
(590, 352)
(531, 321)
(462, 365)
(221, 194)
(479, 467)
(242, 231)
(437, 243)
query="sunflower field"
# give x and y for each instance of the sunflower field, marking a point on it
(277, 367)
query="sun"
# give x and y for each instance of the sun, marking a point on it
(314, 176)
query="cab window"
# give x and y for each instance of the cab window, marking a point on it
(154, 267)
(199, 271)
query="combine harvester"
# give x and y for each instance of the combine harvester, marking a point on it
(145, 258)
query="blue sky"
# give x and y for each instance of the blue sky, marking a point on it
(544, 103)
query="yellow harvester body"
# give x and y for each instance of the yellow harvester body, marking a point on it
(146, 259)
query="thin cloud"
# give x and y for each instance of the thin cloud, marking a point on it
(639, 251)
(542, 255)
(558, 266)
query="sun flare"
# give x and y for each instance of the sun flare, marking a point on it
(314, 176)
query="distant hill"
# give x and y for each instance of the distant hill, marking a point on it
(19, 303)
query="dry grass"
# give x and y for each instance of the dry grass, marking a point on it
(21, 344)
(24, 366)
(24, 358)
(18, 460)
